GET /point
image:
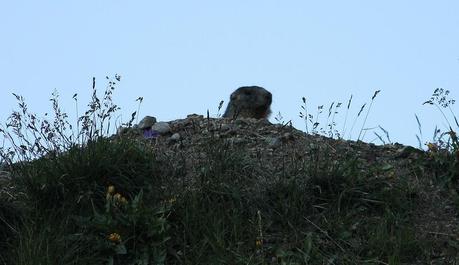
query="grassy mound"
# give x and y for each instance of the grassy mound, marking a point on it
(92, 199)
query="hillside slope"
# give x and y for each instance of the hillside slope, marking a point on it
(219, 191)
(277, 154)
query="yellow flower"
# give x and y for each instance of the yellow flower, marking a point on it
(114, 237)
(123, 200)
(117, 197)
(259, 242)
(111, 189)
(170, 200)
(432, 147)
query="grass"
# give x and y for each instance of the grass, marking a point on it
(79, 196)
(329, 128)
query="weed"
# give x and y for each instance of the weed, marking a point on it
(444, 147)
(329, 129)
(61, 174)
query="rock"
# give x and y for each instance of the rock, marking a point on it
(175, 137)
(194, 115)
(273, 142)
(287, 137)
(161, 127)
(224, 127)
(407, 151)
(147, 122)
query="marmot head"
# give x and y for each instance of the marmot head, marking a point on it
(251, 96)
(249, 102)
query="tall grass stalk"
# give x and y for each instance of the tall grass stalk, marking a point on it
(368, 111)
(345, 116)
(419, 136)
(304, 113)
(355, 120)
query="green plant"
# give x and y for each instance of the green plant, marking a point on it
(329, 129)
(127, 231)
(444, 148)
(61, 175)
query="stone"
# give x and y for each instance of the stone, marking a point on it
(194, 115)
(224, 127)
(273, 142)
(175, 137)
(147, 122)
(161, 127)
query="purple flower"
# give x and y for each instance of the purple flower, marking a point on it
(149, 133)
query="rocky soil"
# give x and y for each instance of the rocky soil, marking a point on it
(275, 145)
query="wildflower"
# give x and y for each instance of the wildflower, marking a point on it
(111, 189)
(117, 197)
(149, 134)
(391, 174)
(172, 200)
(114, 237)
(259, 243)
(432, 147)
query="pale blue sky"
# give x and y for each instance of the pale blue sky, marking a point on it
(184, 57)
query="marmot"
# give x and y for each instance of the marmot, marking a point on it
(249, 102)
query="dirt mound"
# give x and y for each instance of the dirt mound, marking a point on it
(275, 147)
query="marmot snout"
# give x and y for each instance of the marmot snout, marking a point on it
(249, 102)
